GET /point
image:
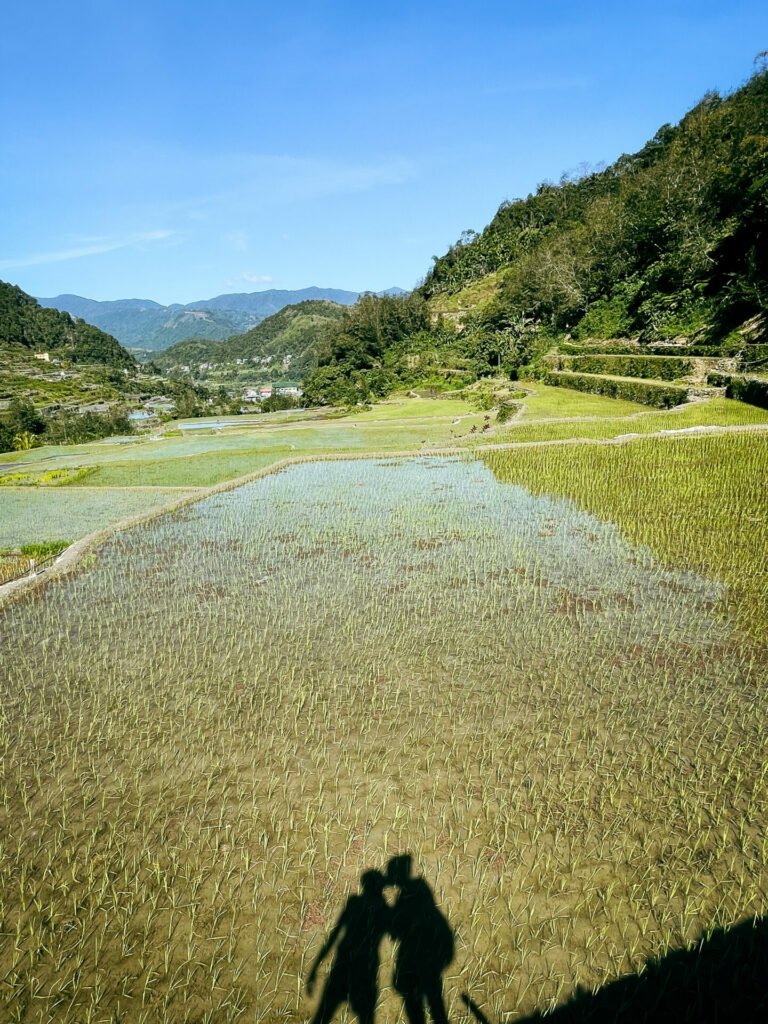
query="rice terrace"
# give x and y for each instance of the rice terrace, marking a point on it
(537, 670)
(387, 655)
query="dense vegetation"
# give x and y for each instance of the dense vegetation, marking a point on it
(26, 326)
(661, 243)
(144, 324)
(665, 243)
(645, 392)
(291, 335)
(22, 426)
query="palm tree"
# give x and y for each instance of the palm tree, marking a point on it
(23, 442)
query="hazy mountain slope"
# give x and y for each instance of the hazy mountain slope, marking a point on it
(26, 326)
(139, 323)
(77, 305)
(266, 303)
(296, 331)
(143, 323)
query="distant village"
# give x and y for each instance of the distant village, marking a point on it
(160, 405)
(261, 394)
(156, 407)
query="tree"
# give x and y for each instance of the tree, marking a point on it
(23, 442)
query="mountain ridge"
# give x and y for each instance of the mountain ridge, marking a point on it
(291, 336)
(146, 324)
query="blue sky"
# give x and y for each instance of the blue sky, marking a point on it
(175, 151)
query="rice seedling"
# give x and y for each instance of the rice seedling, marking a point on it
(210, 732)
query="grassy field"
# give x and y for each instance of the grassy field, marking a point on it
(31, 513)
(718, 412)
(547, 403)
(203, 458)
(212, 730)
(701, 506)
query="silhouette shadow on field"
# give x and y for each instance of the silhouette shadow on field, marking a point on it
(424, 943)
(723, 980)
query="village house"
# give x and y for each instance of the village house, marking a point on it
(288, 387)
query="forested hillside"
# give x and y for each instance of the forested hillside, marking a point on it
(660, 243)
(145, 324)
(294, 334)
(26, 327)
(666, 244)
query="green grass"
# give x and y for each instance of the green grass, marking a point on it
(701, 504)
(31, 514)
(213, 728)
(184, 470)
(45, 478)
(722, 412)
(553, 403)
(405, 409)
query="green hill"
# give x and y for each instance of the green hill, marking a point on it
(666, 245)
(145, 324)
(27, 328)
(295, 333)
(662, 243)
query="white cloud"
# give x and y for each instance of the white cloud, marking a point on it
(249, 278)
(88, 247)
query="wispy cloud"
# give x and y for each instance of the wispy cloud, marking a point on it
(88, 247)
(209, 188)
(237, 240)
(248, 278)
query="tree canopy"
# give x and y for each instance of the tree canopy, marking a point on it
(26, 325)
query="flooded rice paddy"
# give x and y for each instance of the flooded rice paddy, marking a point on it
(214, 727)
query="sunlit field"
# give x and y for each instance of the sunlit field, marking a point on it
(539, 674)
(29, 513)
(38, 488)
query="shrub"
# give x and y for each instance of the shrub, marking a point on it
(646, 392)
(44, 548)
(607, 318)
(506, 409)
(655, 367)
(753, 390)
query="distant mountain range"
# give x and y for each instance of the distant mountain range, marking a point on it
(145, 324)
(289, 338)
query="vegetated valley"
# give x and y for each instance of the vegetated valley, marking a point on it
(469, 645)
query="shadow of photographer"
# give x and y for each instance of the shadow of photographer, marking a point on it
(424, 948)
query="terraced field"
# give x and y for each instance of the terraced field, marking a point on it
(537, 673)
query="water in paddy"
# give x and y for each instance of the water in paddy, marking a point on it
(358, 561)
(229, 713)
